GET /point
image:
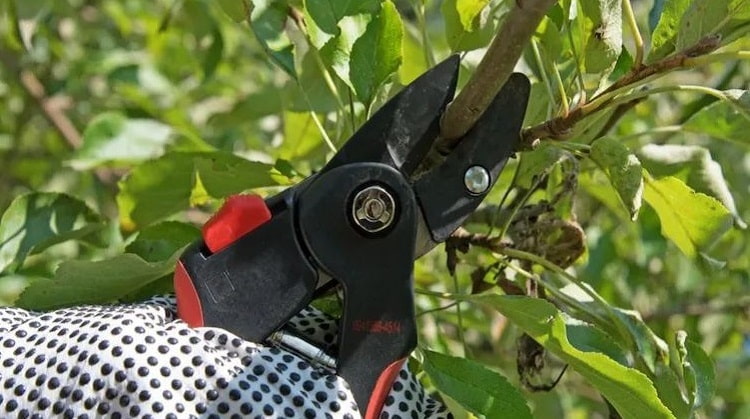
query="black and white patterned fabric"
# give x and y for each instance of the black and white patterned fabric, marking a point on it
(139, 361)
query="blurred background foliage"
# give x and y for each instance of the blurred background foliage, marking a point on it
(146, 111)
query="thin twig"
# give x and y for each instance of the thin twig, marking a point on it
(544, 77)
(627, 11)
(558, 128)
(51, 109)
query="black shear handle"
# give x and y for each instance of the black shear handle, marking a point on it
(378, 328)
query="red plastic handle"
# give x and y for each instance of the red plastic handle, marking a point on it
(189, 306)
(239, 215)
(382, 388)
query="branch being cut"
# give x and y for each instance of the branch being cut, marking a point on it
(493, 71)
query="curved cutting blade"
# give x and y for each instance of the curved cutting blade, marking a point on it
(402, 131)
(443, 197)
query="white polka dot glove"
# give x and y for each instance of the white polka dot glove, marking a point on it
(139, 360)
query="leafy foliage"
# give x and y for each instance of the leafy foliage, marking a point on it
(127, 123)
(698, 221)
(627, 389)
(482, 391)
(623, 169)
(728, 119)
(36, 221)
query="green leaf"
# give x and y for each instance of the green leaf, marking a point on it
(86, 282)
(160, 188)
(539, 104)
(623, 66)
(198, 14)
(550, 40)
(695, 166)
(536, 162)
(301, 136)
(727, 119)
(235, 9)
(588, 338)
(478, 389)
(623, 170)
(654, 15)
(158, 242)
(11, 286)
(309, 93)
(36, 221)
(468, 11)
(335, 51)
(629, 390)
(698, 370)
(254, 106)
(414, 62)
(711, 17)
(664, 37)
(692, 220)
(467, 25)
(327, 13)
(377, 53)
(268, 20)
(600, 25)
(651, 348)
(600, 187)
(670, 393)
(214, 54)
(113, 139)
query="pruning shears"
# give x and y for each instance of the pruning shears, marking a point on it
(359, 222)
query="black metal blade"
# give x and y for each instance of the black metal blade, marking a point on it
(444, 200)
(402, 131)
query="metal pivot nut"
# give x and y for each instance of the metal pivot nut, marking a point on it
(477, 180)
(373, 209)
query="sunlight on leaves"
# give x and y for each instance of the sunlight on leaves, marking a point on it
(160, 188)
(113, 139)
(727, 119)
(377, 53)
(664, 36)
(695, 166)
(693, 221)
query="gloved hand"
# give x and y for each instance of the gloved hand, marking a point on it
(139, 360)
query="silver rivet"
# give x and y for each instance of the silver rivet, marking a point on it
(477, 180)
(373, 209)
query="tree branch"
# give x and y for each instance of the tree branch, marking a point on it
(558, 128)
(50, 107)
(618, 113)
(493, 71)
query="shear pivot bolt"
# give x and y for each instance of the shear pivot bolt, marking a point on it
(373, 209)
(477, 180)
